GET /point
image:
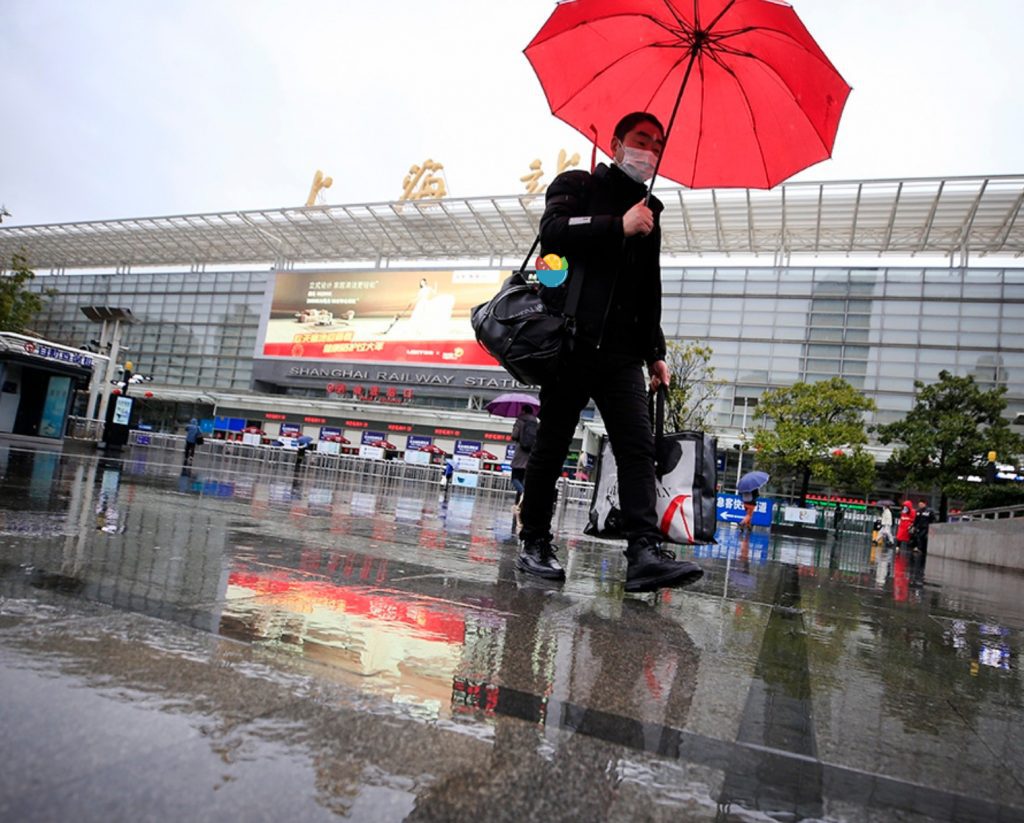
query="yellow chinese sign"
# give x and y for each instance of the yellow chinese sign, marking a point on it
(316, 191)
(532, 179)
(421, 183)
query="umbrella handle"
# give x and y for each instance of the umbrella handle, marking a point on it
(671, 121)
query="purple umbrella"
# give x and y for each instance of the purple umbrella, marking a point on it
(511, 405)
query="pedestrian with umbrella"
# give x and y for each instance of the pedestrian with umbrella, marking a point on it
(748, 488)
(524, 435)
(524, 408)
(758, 101)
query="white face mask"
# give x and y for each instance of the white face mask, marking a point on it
(638, 163)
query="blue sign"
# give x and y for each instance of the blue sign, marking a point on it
(206, 426)
(415, 442)
(231, 424)
(77, 358)
(720, 462)
(730, 509)
(329, 431)
(466, 447)
(290, 430)
(372, 438)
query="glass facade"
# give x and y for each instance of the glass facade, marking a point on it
(879, 328)
(193, 329)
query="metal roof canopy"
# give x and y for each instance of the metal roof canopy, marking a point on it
(923, 216)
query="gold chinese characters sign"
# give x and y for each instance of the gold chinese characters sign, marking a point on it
(532, 179)
(421, 183)
(316, 191)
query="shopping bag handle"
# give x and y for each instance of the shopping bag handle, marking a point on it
(656, 400)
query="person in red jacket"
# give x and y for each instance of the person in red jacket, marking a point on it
(907, 515)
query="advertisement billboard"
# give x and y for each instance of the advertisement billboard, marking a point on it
(417, 317)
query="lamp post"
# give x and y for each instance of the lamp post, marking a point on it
(128, 366)
(747, 402)
(113, 320)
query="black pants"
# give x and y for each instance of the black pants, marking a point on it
(190, 450)
(616, 384)
(518, 483)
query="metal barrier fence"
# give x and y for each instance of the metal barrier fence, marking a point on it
(1000, 513)
(84, 428)
(229, 454)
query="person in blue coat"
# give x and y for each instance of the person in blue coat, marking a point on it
(193, 438)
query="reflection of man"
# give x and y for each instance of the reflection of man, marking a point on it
(610, 693)
(609, 233)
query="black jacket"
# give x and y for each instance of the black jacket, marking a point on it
(522, 455)
(583, 222)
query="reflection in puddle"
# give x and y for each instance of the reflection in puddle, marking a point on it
(381, 639)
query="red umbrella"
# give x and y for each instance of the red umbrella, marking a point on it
(483, 454)
(756, 98)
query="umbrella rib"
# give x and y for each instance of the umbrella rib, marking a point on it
(753, 119)
(672, 10)
(819, 55)
(700, 131)
(605, 70)
(664, 80)
(768, 67)
(584, 23)
(720, 15)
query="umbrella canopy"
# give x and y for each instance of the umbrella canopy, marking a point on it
(510, 405)
(751, 481)
(756, 98)
(433, 449)
(483, 454)
(885, 502)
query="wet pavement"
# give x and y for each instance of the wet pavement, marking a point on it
(220, 644)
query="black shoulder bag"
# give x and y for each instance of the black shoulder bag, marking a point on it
(521, 331)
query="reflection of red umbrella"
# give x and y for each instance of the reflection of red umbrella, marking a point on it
(756, 97)
(483, 454)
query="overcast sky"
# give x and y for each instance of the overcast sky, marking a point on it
(128, 108)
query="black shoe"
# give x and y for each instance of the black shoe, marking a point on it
(537, 557)
(651, 566)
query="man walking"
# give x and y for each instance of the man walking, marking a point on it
(602, 225)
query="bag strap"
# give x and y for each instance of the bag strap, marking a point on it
(575, 290)
(529, 254)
